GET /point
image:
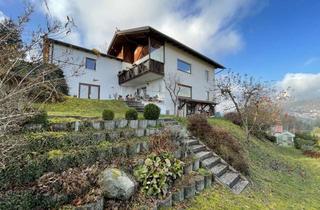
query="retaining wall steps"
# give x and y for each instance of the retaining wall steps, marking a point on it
(221, 170)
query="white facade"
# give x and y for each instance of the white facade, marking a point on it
(71, 59)
(197, 79)
(72, 62)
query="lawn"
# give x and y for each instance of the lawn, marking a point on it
(85, 107)
(282, 178)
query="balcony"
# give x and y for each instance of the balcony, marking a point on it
(141, 73)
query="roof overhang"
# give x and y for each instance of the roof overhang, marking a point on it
(190, 100)
(76, 47)
(143, 32)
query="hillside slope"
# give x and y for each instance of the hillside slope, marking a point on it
(85, 107)
(282, 178)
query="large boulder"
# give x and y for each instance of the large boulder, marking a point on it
(117, 184)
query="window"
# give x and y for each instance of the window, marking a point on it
(208, 95)
(185, 91)
(89, 91)
(91, 63)
(207, 75)
(184, 66)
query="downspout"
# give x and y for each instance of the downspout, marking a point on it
(149, 51)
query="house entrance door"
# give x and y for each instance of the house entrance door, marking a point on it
(142, 92)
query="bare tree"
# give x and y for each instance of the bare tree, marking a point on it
(171, 82)
(24, 77)
(254, 101)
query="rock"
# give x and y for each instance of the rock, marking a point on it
(116, 184)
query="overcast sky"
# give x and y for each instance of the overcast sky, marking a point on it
(269, 39)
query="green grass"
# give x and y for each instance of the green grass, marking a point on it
(85, 108)
(282, 178)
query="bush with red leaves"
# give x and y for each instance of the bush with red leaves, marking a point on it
(312, 154)
(233, 117)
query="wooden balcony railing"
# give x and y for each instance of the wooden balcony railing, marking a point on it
(145, 67)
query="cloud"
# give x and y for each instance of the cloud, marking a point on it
(2, 16)
(302, 86)
(311, 60)
(206, 25)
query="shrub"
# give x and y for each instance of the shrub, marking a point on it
(72, 183)
(264, 135)
(40, 118)
(271, 138)
(157, 173)
(297, 143)
(162, 142)
(131, 114)
(107, 114)
(233, 117)
(312, 154)
(220, 141)
(198, 125)
(151, 112)
(27, 199)
(43, 92)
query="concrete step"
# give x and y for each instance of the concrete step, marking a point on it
(210, 162)
(203, 155)
(198, 148)
(191, 142)
(219, 169)
(229, 178)
(240, 186)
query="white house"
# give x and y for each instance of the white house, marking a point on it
(285, 138)
(136, 64)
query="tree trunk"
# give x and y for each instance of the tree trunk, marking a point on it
(175, 109)
(247, 133)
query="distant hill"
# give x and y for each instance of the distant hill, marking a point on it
(304, 109)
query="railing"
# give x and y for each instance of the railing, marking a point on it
(140, 69)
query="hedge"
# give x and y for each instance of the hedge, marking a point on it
(29, 199)
(45, 141)
(29, 168)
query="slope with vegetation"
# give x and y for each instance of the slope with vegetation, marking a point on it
(71, 107)
(281, 178)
